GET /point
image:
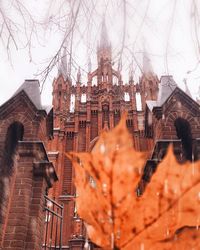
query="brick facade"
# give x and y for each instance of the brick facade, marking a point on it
(26, 172)
(174, 119)
(79, 121)
(81, 112)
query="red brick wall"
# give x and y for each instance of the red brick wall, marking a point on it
(105, 107)
(94, 125)
(82, 136)
(24, 222)
(22, 198)
(164, 127)
(67, 168)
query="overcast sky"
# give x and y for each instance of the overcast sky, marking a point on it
(165, 28)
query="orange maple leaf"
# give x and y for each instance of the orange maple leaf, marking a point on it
(106, 181)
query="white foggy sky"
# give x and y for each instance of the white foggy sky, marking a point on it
(157, 29)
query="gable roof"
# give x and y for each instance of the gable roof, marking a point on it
(31, 88)
(187, 99)
(31, 91)
(190, 102)
(167, 89)
(167, 86)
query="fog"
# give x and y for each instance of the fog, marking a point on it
(167, 30)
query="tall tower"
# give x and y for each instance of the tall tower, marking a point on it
(104, 59)
(81, 112)
(104, 50)
(148, 81)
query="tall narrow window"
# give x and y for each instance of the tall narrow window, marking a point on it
(83, 98)
(138, 102)
(126, 97)
(94, 81)
(72, 103)
(183, 132)
(14, 134)
(115, 80)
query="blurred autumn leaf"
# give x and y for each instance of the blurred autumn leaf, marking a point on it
(116, 218)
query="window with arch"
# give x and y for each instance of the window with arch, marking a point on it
(14, 134)
(138, 101)
(126, 97)
(83, 98)
(115, 80)
(72, 103)
(94, 81)
(183, 132)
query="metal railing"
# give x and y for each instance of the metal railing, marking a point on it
(53, 224)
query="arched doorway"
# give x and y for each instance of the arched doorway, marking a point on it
(14, 134)
(183, 132)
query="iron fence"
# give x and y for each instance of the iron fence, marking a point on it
(53, 225)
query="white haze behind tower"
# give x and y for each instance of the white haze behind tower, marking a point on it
(164, 29)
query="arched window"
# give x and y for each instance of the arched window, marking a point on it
(83, 98)
(115, 80)
(72, 103)
(94, 81)
(183, 132)
(126, 97)
(14, 134)
(138, 101)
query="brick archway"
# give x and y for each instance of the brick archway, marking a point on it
(183, 132)
(27, 124)
(169, 128)
(12, 131)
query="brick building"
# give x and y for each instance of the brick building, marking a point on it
(83, 110)
(158, 113)
(25, 170)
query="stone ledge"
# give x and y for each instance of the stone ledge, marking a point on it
(45, 169)
(41, 164)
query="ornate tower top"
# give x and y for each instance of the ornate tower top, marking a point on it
(63, 68)
(104, 48)
(104, 72)
(79, 75)
(149, 80)
(146, 67)
(104, 41)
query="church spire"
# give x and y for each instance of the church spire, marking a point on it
(104, 48)
(147, 66)
(149, 80)
(131, 72)
(79, 75)
(104, 41)
(63, 65)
